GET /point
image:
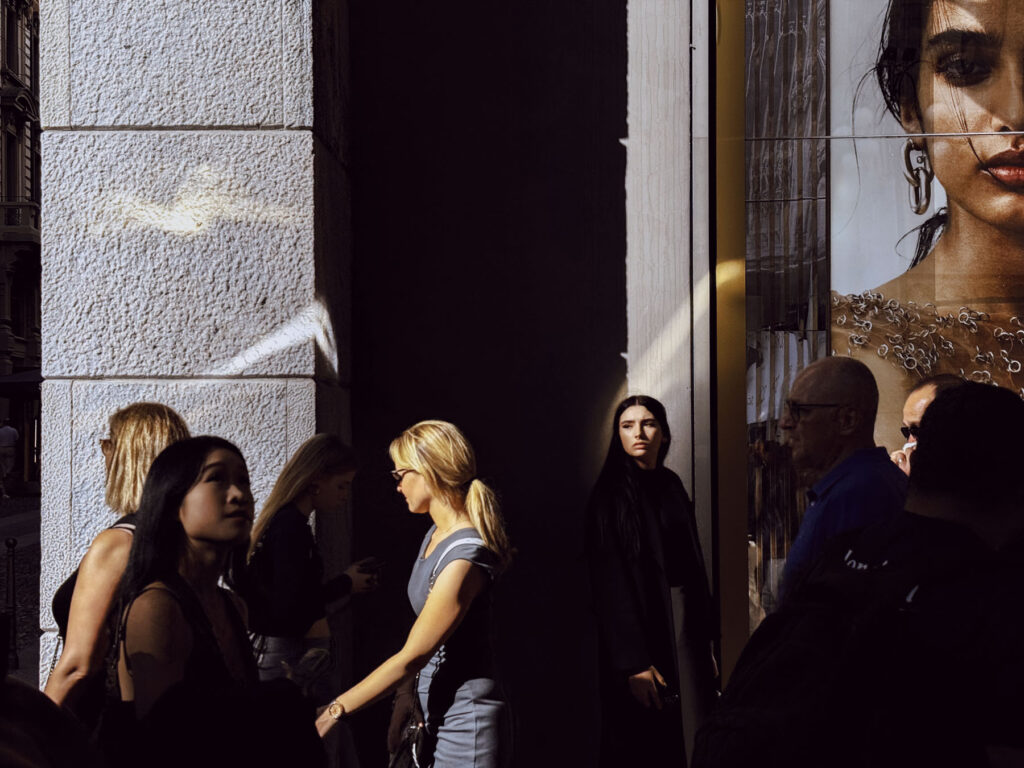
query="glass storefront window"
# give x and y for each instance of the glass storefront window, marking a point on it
(787, 261)
(884, 152)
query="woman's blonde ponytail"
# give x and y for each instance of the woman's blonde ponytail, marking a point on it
(485, 514)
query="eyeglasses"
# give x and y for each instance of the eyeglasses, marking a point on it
(398, 474)
(913, 429)
(796, 410)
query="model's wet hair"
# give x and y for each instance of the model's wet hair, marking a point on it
(159, 541)
(969, 447)
(899, 55)
(616, 498)
(320, 457)
(896, 70)
(439, 452)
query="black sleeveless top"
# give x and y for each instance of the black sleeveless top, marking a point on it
(210, 718)
(206, 667)
(61, 604)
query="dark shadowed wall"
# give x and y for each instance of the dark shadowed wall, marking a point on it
(489, 290)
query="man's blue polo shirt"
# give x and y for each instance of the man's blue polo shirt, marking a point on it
(864, 488)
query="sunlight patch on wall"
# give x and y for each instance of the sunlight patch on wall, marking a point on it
(311, 324)
(205, 198)
(656, 370)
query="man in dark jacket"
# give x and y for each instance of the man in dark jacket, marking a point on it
(829, 421)
(904, 644)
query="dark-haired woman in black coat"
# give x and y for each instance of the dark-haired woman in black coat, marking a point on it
(650, 595)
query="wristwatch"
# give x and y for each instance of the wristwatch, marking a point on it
(335, 710)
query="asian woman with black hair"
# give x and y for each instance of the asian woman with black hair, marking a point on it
(650, 594)
(179, 625)
(186, 670)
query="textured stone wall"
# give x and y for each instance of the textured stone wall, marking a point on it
(195, 238)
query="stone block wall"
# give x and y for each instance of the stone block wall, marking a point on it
(195, 239)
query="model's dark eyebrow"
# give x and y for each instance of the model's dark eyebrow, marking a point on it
(962, 38)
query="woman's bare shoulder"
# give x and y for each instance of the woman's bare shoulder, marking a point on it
(108, 550)
(157, 609)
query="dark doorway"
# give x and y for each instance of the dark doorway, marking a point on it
(489, 290)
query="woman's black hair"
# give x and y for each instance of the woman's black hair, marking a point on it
(616, 496)
(899, 55)
(896, 69)
(158, 543)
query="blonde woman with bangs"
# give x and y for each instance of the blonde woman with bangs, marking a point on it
(82, 604)
(446, 663)
(284, 587)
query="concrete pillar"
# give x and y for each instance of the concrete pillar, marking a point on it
(195, 237)
(667, 236)
(668, 280)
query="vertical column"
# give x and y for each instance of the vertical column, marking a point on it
(667, 236)
(658, 253)
(667, 264)
(195, 237)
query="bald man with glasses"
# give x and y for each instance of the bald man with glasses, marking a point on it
(829, 424)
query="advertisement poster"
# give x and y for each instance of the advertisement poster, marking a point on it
(884, 215)
(927, 194)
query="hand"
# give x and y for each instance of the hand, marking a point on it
(363, 578)
(404, 703)
(644, 687)
(901, 458)
(324, 723)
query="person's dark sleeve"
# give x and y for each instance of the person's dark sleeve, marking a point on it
(619, 614)
(292, 595)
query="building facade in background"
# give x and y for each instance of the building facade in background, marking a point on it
(19, 232)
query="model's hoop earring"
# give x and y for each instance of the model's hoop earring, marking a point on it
(919, 174)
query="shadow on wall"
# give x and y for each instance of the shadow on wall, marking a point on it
(489, 290)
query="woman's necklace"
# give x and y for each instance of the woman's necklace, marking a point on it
(441, 534)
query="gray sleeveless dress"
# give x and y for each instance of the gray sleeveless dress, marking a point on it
(462, 704)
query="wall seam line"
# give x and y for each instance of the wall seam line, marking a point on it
(68, 20)
(284, 85)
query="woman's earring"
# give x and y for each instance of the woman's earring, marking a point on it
(919, 174)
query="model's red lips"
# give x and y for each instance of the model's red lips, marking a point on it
(1007, 168)
(1009, 158)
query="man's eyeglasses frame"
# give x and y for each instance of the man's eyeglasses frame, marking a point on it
(796, 409)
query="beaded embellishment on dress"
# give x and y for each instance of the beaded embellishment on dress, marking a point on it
(921, 342)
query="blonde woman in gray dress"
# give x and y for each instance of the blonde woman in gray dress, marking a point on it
(446, 662)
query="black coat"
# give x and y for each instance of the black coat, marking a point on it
(633, 606)
(631, 589)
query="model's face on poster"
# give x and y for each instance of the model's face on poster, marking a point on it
(971, 80)
(957, 306)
